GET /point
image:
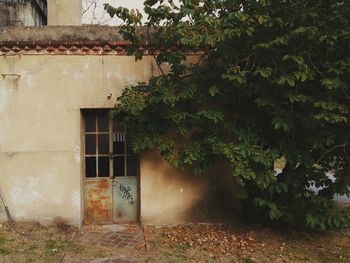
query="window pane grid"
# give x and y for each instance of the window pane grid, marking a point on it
(97, 155)
(100, 159)
(112, 144)
(116, 155)
(96, 132)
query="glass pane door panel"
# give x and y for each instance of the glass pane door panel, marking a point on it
(132, 165)
(90, 144)
(103, 143)
(90, 166)
(103, 123)
(118, 166)
(103, 166)
(90, 122)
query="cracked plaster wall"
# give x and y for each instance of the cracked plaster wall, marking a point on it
(40, 139)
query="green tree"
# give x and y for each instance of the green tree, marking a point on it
(272, 81)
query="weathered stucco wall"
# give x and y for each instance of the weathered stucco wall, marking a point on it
(60, 33)
(40, 139)
(64, 12)
(40, 162)
(172, 196)
(22, 13)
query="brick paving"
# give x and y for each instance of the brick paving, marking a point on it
(112, 260)
(118, 236)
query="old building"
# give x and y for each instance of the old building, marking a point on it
(23, 12)
(61, 156)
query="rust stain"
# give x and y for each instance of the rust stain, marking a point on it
(98, 201)
(104, 184)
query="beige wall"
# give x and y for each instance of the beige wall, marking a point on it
(40, 138)
(172, 196)
(64, 12)
(40, 163)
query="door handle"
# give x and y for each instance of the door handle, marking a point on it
(115, 182)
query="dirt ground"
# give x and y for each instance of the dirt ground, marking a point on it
(224, 243)
(183, 243)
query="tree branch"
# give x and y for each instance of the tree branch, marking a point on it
(330, 150)
(154, 57)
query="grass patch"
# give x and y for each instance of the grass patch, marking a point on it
(99, 254)
(3, 239)
(52, 247)
(248, 260)
(175, 256)
(76, 248)
(5, 251)
(32, 247)
(182, 247)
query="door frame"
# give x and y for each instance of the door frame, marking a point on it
(110, 178)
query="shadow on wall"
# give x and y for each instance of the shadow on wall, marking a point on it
(172, 196)
(220, 201)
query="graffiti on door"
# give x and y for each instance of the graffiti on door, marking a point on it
(126, 194)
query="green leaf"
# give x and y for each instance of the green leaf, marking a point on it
(241, 86)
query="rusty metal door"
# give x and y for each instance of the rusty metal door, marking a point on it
(98, 201)
(111, 172)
